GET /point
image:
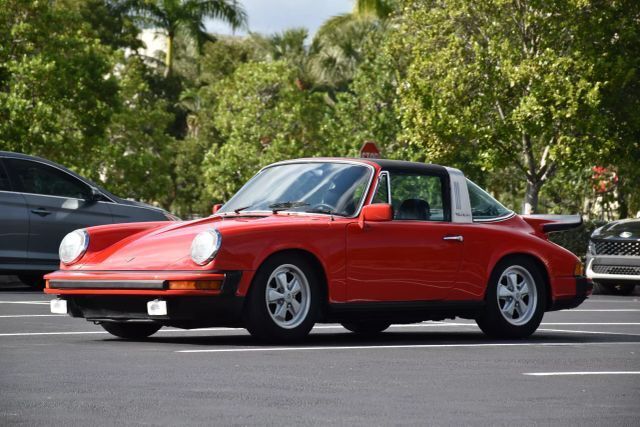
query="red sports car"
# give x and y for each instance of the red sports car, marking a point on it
(366, 243)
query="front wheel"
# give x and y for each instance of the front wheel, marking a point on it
(284, 300)
(514, 301)
(131, 330)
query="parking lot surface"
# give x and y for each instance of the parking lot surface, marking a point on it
(582, 367)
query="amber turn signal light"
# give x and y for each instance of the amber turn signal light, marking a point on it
(200, 285)
(578, 269)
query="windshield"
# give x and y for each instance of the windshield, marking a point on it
(328, 188)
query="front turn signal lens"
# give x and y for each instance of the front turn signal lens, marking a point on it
(195, 285)
(578, 269)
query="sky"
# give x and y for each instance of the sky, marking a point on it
(274, 16)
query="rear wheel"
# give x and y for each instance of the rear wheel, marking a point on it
(514, 301)
(284, 299)
(366, 328)
(131, 330)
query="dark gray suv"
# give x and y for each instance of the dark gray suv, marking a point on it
(41, 201)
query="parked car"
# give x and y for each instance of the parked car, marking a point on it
(613, 257)
(41, 201)
(366, 243)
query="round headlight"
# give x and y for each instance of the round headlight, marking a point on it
(73, 246)
(205, 246)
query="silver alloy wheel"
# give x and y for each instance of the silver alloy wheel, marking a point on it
(517, 295)
(288, 296)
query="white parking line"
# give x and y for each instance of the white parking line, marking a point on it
(551, 374)
(32, 315)
(332, 327)
(584, 310)
(26, 302)
(412, 346)
(588, 332)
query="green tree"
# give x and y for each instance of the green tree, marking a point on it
(262, 117)
(57, 89)
(137, 159)
(187, 16)
(338, 46)
(502, 82)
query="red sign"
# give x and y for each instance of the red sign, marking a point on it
(369, 150)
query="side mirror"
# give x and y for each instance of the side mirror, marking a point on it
(216, 208)
(94, 195)
(377, 212)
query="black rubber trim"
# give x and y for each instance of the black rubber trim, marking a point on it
(107, 284)
(571, 221)
(231, 282)
(403, 311)
(182, 311)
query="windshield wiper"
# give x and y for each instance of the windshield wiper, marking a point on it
(237, 211)
(283, 206)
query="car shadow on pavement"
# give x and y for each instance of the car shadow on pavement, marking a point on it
(346, 339)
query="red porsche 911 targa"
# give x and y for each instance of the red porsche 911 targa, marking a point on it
(366, 243)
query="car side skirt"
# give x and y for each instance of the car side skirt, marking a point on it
(403, 311)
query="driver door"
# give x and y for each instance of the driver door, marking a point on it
(414, 257)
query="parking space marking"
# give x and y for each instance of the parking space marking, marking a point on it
(26, 302)
(336, 327)
(583, 310)
(31, 315)
(588, 332)
(551, 374)
(401, 346)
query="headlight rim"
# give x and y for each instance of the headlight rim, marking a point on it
(83, 248)
(218, 243)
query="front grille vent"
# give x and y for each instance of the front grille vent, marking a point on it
(610, 247)
(617, 269)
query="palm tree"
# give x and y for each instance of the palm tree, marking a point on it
(187, 16)
(336, 50)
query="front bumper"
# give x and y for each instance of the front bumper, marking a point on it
(108, 297)
(584, 288)
(614, 269)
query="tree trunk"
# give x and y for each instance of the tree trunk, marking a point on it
(531, 197)
(168, 61)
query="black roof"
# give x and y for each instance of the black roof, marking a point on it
(404, 166)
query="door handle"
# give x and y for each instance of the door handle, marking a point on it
(457, 238)
(41, 212)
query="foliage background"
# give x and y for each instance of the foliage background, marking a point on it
(521, 95)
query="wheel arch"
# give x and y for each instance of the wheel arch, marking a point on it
(538, 263)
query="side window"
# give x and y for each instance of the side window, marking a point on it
(382, 192)
(417, 197)
(38, 178)
(483, 206)
(4, 179)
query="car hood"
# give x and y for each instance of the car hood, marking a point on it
(628, 229)
(169, 247)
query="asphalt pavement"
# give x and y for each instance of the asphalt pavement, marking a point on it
(582, 367)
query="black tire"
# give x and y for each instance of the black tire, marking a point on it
(131, 330)
(34, 281)
(492, 321)
(621, 289)
(600, 289)
(366, 329)
(257, 313)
